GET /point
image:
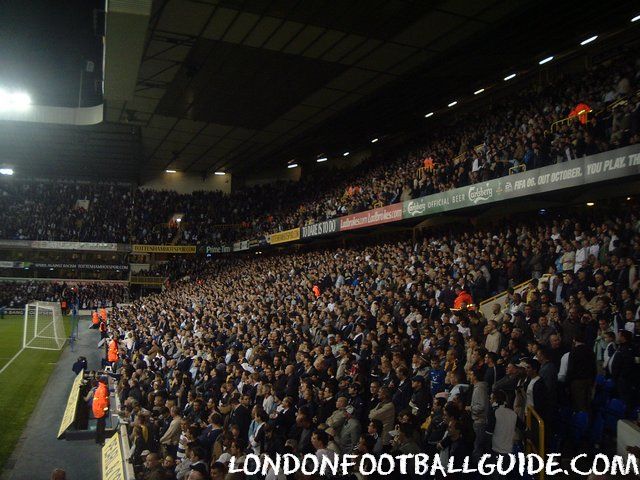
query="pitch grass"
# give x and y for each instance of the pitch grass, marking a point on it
(21, 384)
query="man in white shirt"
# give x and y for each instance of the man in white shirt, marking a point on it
(501, 425)
(581, 256)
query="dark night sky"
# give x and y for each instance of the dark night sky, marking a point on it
(42, 47)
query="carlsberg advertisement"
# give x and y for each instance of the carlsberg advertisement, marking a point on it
(623, 162)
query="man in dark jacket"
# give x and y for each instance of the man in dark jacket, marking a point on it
(581, 372)
(622, 367)
(420, 399)
(240, 416)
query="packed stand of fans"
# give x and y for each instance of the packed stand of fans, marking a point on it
(51, 211)
(83, 295)
(512, 133)
(379, 348)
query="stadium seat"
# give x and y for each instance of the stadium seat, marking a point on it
(579, 426)
(614, 411)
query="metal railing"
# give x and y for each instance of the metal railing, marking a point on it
(535, 428)
(485, 305)
(518, 168)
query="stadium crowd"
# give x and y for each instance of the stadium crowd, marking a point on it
(381, 348)
(85, 296)
(516, 132)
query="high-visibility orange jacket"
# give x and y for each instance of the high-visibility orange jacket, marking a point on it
(112, 354)
(101, 401)
(463, 297)
(316, 290)
(94, 318)
(103, 314)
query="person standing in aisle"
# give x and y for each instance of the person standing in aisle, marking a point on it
(100, 407)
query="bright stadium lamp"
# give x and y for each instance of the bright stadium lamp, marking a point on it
(14, 101)
(455, 102)
(588, 40)
(374, 140)
(220, 173)
(636, 18)
(322, 159)
(345, 154)
(6, 171)
(430, 114)
(545, 60)
(478, 92)
(509, 77)
(292, 165)
(170, 171)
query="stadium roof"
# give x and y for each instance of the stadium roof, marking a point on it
(233, 85)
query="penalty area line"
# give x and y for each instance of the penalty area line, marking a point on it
(11, 361)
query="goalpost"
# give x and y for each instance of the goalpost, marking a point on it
(43, 326)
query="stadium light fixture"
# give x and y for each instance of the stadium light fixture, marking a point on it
(292, 165)
(478, 92)
(455, 102)
(221, 174)
(628, 199)
(14, 101)
(170, 171)
(430, 114)
(590, 204)
(588, 40)
(509, 77)
(545, 60)
(179, 219)
(636, 18)
(374, 140)
(345, 154)
(322, 159)
(6, 171)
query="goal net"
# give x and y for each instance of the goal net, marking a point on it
(43, 326)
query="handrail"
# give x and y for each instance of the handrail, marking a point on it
(457, 157)
(491, 299)
(530, 445)
(622, 100)
(569, 119)
(518, 168)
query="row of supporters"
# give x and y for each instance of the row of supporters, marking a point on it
(360, 350)
(515, 134)
(83, 296)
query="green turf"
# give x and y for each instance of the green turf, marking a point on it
(21, 384)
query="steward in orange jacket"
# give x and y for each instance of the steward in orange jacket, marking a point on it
(112, 353)
(463, 298)
(101, 408)
(95, 320)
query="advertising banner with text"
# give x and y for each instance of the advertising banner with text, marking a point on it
(322, 228)
(286, 236)
(377, 216)
(53, 245)
(240, 246)
(163, 248)
(623, 162)
(81, 266)
(219, 249)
